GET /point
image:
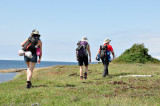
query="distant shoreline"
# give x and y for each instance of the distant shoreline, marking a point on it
(18, 65)
(20, 70)
(13, 70)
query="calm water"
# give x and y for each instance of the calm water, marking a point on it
(12, 64)
(7, 76)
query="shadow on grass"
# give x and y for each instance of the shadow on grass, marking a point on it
(113, 75)
(119, 74)
(36, 86)
(67, 85)
(88, 82)
(73, 74)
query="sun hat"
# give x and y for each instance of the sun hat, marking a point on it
(36, 32)
(84, 39)
(106, 40)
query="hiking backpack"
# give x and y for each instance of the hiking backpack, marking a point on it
(81, 49)
(104, 53)
(31, 44)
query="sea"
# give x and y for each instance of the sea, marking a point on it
(18, 64)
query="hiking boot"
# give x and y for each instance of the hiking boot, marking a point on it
(81, 77)
(85, 75)
(28, 84)
(105, 75)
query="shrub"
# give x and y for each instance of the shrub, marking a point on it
(136, 54)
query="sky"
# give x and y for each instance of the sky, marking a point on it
(62, 23)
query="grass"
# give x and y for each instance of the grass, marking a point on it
(61, 86)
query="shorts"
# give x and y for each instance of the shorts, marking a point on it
(33, 59)
(82, 60)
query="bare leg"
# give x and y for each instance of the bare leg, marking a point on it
(27, 64)
(86, 68)
(27, 67)
(81, 70)
(30, 70)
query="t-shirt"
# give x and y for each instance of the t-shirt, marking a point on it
(109, 47)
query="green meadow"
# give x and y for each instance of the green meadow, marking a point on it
(61, 86)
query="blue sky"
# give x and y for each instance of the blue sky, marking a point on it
(64, 22)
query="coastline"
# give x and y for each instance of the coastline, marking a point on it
(9, 74)
(11, 66)
(21, 70)
(13, 70)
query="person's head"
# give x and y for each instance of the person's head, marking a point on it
(35, 33)
(84, 39)
(106, 41)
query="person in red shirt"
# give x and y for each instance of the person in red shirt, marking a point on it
(106, 60)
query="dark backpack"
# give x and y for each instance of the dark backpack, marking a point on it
(31, 44)
(103, 51)
(81, 49)
(104, 54)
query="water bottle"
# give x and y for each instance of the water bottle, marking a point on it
(98, 58)
(108, 56)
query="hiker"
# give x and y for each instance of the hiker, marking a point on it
(31, 45)
(82, 56)
(104, 55)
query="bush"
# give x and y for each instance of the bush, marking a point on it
(136, 54)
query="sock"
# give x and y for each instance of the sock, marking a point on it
(85, 73)
(28, 81)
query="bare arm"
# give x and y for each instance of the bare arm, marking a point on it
(22, 44)
(113, 54)
(97, 54)
(89, 51)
